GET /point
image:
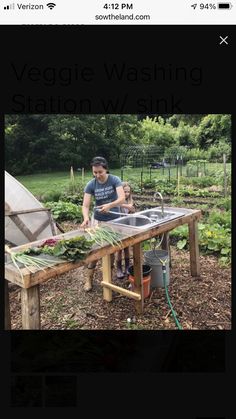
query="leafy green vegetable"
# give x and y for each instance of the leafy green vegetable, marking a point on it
(73, 249)
(70, 249)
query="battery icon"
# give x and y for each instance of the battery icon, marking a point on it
(224, 6)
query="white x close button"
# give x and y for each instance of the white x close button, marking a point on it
(223, 40)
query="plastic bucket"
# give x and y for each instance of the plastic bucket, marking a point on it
(152, 258)
(146, 279)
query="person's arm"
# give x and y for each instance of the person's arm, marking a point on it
(85, 209)
(116, 203)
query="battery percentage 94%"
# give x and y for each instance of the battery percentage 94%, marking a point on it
(204, 6)
(207, 6)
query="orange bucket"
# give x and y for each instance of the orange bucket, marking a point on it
(146, 279)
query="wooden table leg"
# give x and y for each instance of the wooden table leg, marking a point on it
(194, 248)
(7, 319)
(106, 268)
(165, 245)
(30, 307)
(138, 276)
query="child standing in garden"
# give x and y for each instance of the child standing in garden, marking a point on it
(126, 208)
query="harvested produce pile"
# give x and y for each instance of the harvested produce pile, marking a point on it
(72, 250)
(29, 261)
(103, 235)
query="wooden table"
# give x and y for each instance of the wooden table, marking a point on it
(29, 282)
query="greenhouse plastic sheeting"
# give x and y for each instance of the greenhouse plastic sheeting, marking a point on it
(18, 198)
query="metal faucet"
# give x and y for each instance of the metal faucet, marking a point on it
(162, 201)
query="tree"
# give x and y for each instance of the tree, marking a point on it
(157, 132)
(214, 129)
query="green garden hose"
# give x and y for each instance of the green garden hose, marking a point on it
(163, 262)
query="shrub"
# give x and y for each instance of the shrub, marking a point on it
(72, 198)
(214, 239)
(52, 196)
(223, 203)
(221, 218)
(149, 184)
(202, 182)
(65, 211)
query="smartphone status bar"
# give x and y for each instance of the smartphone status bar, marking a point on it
(101, 12)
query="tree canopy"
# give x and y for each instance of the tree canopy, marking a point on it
(42, 143)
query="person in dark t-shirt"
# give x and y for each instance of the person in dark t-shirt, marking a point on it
(109, 195)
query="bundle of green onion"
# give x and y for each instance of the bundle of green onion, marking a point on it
(28, 261)
(102, 235)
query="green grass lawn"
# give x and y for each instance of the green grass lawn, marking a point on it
(55, 183)
(45, 183)
(49, 183)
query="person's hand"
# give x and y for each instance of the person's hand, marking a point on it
(85, 223)
(130, 208)
(104, 208)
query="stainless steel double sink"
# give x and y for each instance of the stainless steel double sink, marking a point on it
(149, 218)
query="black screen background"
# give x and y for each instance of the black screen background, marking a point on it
(174, 374)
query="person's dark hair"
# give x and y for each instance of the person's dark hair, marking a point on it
(99, 161)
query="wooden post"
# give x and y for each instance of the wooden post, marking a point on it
(30, 307)
(194, 248)
(141, 181)
(54, 232)
(72, 177)
(82, 174)
(7, 319)
(138, 276)
(225, 176)
(178, 182)
(106, 268)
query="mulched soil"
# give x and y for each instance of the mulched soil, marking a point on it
(200, 303)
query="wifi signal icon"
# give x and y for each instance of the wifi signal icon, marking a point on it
(51, 5)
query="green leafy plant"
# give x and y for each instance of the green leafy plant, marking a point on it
(202, 182)
(149, 184)
(51, 196)
(177, 202)
(223, 203)
(69, 249)
(65, 211)
(73, 194)
(214, 239)
(222, 218)
(73, 249)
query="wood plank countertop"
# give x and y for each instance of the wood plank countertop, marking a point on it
(130, 237)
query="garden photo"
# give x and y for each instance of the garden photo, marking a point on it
(118, 222)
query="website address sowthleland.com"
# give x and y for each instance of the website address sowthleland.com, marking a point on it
(120, 16)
